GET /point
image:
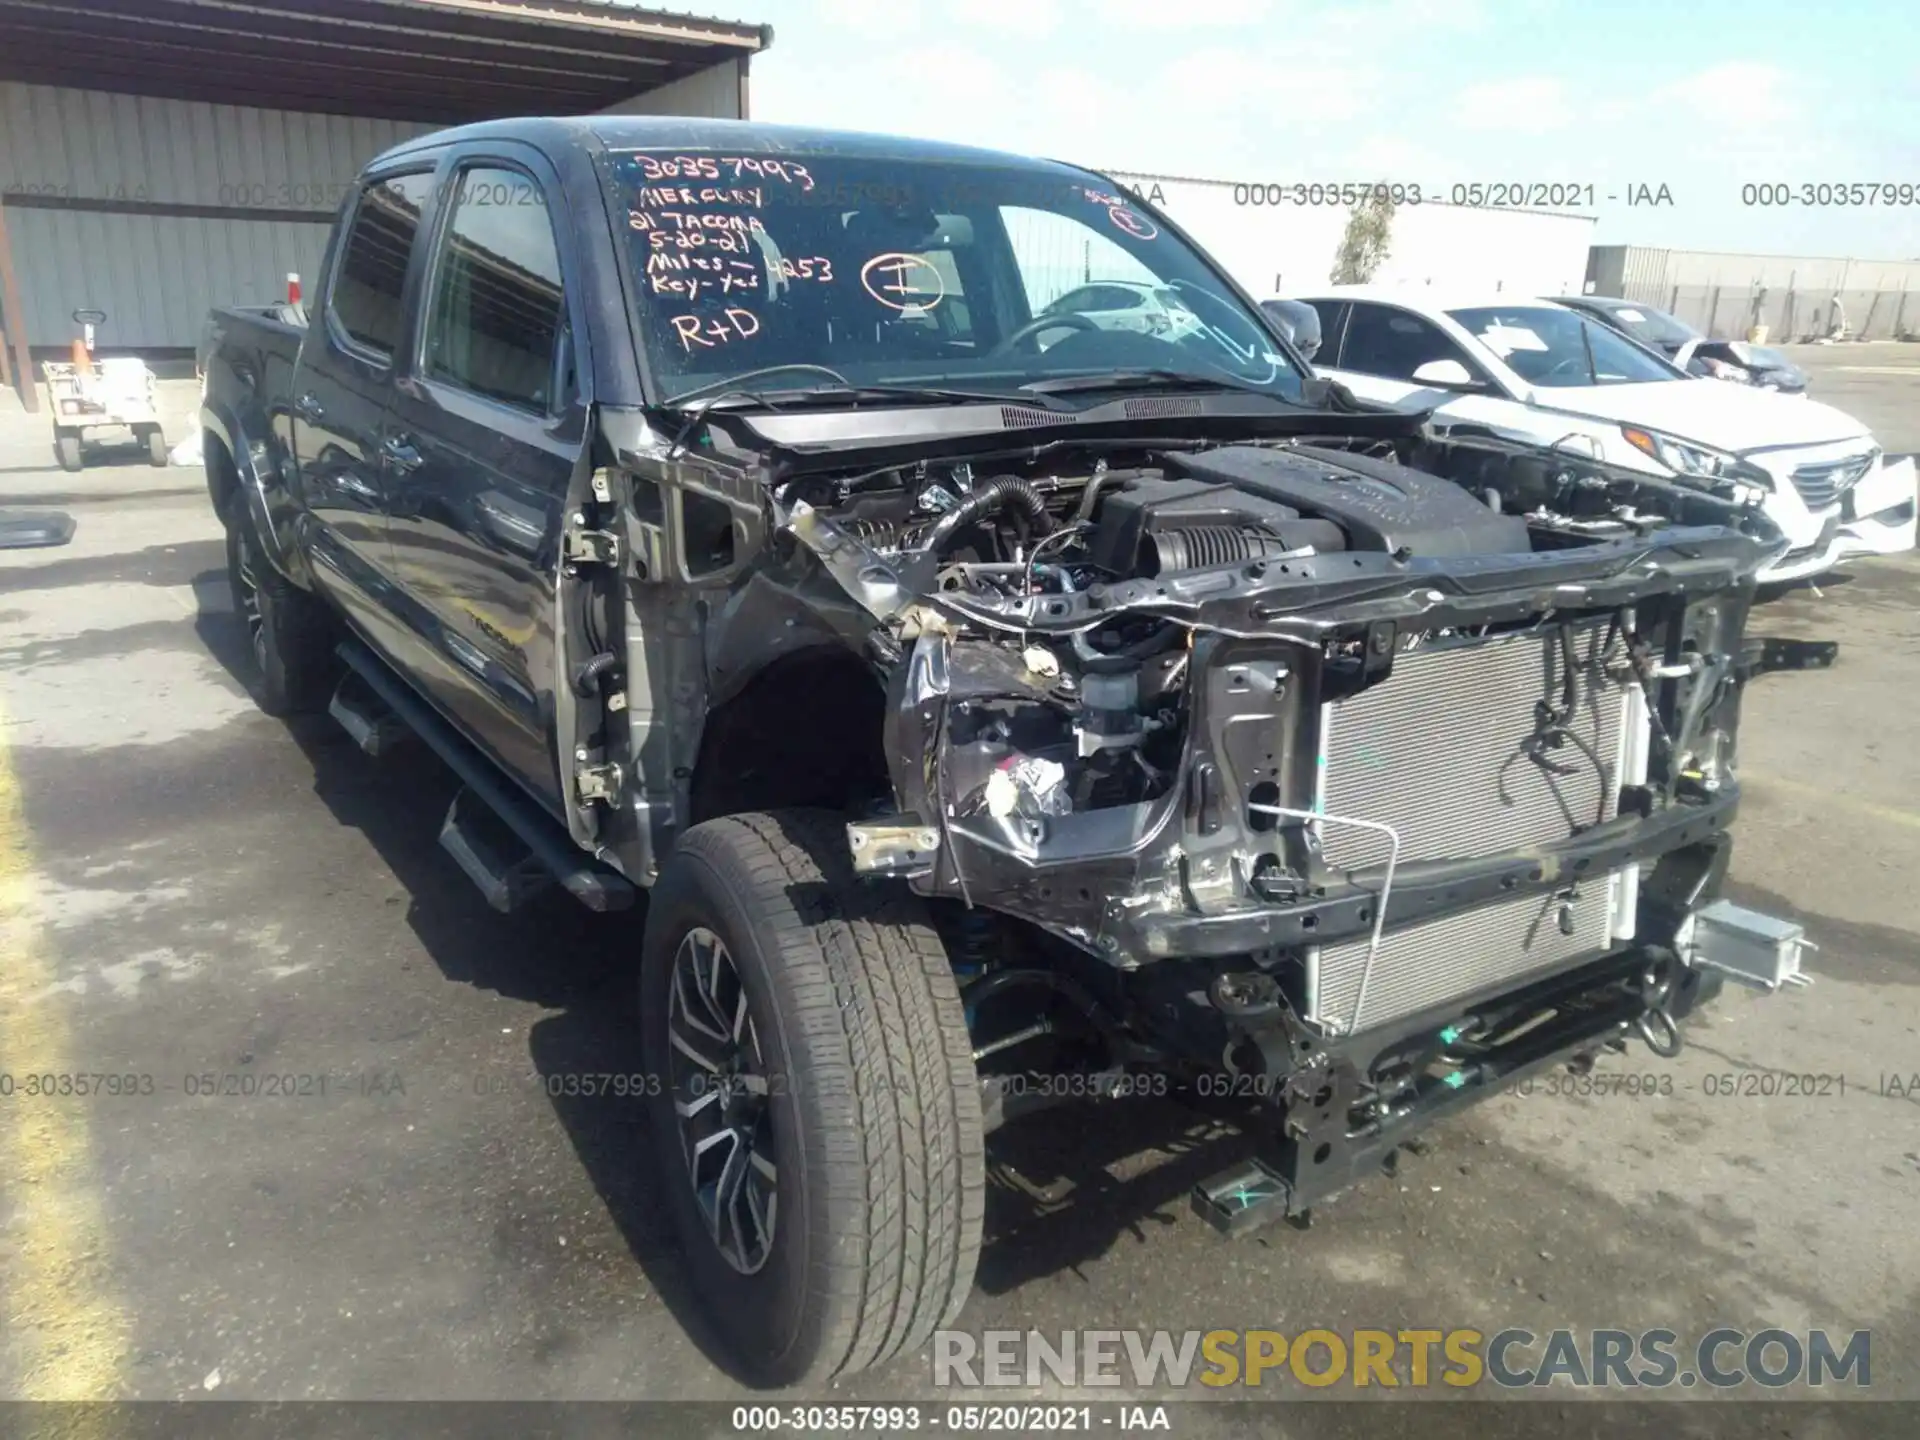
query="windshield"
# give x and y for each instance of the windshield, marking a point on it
(916, 272)
(1654, 327)
(1558, 348)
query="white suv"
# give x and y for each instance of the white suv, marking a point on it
(1129, 305)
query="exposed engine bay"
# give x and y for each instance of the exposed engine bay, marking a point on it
(1093, 717)
(1367, 768)
(1070, 607)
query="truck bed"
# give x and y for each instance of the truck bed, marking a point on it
(239, 323)
(249, 358)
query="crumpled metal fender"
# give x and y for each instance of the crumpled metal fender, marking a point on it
(262, 487)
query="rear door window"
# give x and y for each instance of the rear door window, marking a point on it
(365, 299)
(494, 319)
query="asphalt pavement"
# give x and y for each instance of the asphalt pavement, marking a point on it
(331, 1162)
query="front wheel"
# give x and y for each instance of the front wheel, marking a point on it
(818, 1117)
(156, 445)
(66, 449)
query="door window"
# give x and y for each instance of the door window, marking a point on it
(494, 320)
(1559, 348)
(1329, 312)
(365, 296)
(1393, 344)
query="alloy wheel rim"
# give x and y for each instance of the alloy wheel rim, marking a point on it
(721, 1100)
(250, 607)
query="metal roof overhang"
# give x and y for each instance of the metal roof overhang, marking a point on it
(434, 61)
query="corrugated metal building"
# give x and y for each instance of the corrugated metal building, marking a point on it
(1796, 297)
(1286, 248)
(162, 158)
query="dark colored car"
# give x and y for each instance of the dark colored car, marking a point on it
(1001, 709)
(1687, 347)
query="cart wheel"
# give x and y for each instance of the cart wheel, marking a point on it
(156, 446)
(66, 445)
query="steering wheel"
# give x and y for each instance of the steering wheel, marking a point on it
(1570, 363)
(1065, 320)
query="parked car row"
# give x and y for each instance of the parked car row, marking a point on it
(1693, 352)
(1573, 374)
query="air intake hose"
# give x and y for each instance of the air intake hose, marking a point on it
(1197, 547)
(1003, 492)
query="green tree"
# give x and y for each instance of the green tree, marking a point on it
(1364, 245)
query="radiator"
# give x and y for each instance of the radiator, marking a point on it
(1421, 966)
(1446, 751)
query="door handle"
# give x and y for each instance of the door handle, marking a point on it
(399, 452)
(518, 527)
(308, 407)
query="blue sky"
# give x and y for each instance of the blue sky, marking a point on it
(1701, 96)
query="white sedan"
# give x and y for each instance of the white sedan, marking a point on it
(1539, 372)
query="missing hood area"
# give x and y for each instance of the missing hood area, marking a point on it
(1114, 673)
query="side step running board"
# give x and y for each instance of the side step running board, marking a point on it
(366, 717)
(505, 871)
(478, 852)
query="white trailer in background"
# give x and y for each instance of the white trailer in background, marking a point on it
(1277, 249)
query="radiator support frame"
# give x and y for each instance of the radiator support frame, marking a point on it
(1315, 1154)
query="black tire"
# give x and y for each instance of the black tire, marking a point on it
(66, 449)
(156, 446)
(290, 633)
(872, 1108)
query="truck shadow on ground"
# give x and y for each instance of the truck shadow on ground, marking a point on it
(1054, 1205)
(1066, 1186)
(553, 954)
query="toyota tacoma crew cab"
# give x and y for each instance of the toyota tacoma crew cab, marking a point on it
(978, 693)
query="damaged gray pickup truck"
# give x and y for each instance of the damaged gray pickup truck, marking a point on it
(1013, 675)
